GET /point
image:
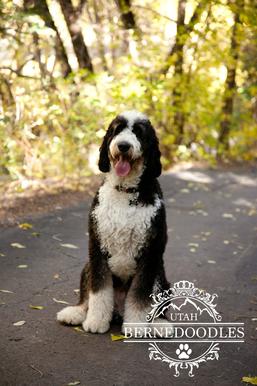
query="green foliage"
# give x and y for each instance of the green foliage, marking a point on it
(47, 123)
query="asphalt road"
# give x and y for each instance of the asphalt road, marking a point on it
(212, 242)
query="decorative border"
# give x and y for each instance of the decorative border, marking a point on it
(211, 353)
(162, 302)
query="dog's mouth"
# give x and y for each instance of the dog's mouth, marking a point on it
(122, 166)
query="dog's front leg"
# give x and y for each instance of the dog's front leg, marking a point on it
(138, 301)
(101, 299)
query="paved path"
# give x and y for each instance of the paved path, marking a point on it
(216, 211)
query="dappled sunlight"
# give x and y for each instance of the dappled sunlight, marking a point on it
(243, 179)
(192, 175)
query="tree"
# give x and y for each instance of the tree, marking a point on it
(127, 15)
(40, 8)
(71, 16)
(230, 84)
(176, 58)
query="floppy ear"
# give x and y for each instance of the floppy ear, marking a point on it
(153, 164)
(104, 162)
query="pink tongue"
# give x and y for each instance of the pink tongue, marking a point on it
(122, 168)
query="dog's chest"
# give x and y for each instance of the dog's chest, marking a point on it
(122, 229)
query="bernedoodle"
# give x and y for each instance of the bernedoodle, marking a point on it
(127, 230)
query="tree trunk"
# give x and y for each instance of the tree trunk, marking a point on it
(176, 58)
(127, 16)
(40, 8)
(178, 48)
(71, 16)
(230, 84)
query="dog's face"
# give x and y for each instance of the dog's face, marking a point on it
(130, 146)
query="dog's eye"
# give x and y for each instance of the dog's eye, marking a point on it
(118, 128)
(138, 129)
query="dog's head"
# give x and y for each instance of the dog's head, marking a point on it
(130, 146)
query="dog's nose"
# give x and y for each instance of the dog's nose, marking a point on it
(123, 147)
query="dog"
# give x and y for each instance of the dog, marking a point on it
(127, 230)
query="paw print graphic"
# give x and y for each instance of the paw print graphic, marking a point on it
(183, 352)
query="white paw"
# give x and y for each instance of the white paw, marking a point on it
(72, 315)
(96, 325)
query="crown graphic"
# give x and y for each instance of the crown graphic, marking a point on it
(184, 285)
(184, 288)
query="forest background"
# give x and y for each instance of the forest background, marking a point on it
(67, 68)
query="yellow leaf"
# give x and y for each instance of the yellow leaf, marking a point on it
(117, 337)
(36, 307)
(22, 266)
(36, 234)
(74, 383)
(25, 226)
(79, 329)
(251, 380)
(17, 245)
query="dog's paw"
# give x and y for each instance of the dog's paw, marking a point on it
(72, 315)
(96, 325)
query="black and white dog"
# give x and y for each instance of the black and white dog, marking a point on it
(127, 230)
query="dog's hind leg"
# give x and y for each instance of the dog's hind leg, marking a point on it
(77, 314)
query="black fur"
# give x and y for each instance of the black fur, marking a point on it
(150, 268)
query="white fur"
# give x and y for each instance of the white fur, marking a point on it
(132, 116)
(122, 228)
(72, 315)
(100, 309)
(129, 137)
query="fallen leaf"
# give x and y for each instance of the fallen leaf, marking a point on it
(79, 329)
(193, 250)
(60, 301)
(55, 237)
(211, 261)
(76, 291)
(56, 276)
(17, 245)
(228, 215)
(36, 234)
(226, 242)
(20, 323)
(36, 307)
(25, 226)
(71, 246)
(6, 291)
(184, 190)
(114, 337)
(193, 245)
(252, 212)
(22, 266)
(2, 254)
(251, 380)
(74, 383)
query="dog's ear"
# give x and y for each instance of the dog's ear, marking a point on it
(104, 162)
(153, 164)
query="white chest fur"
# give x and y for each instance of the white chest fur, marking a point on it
(122, 228)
